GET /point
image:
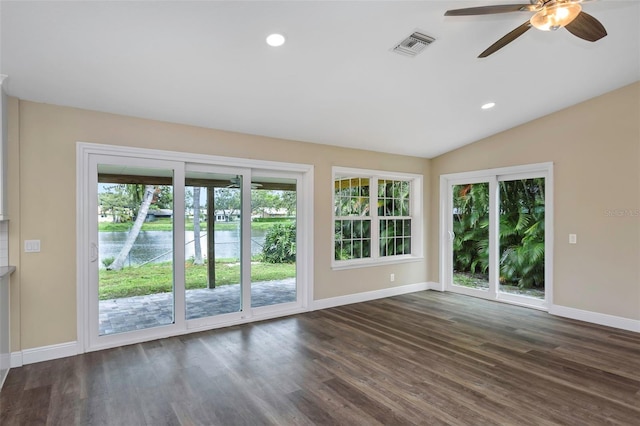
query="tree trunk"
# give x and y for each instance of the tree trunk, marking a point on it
(211, 240)
(196, 227)
(118, 263)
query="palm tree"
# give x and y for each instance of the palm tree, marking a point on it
(471, 228)
(522, 210)
(147, 198)
(196, 227)
(521, 234)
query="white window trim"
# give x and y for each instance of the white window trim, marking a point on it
(85, 151)
(416, 209)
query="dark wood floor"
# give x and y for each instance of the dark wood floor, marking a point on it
(425, 358)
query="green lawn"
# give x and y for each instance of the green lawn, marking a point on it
(157, 277)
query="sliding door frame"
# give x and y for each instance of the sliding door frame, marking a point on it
(493, 177)
(86, 206)
(118, 339)
(301, 265)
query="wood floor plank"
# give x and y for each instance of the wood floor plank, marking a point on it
(424, 358)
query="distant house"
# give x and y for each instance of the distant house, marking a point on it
(271, 212)
(227, 215)
(157, 214)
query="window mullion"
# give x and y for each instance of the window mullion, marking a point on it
(375, 222)
(179, 244)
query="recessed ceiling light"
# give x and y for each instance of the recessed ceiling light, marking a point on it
(275, 40)
(488, 105)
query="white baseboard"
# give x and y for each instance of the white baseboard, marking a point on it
(44, 353)
(369, 295)
(16, 359)
(596, 318)
(5, 364)
(435, 286)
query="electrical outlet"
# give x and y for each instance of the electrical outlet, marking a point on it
(392, 277)
(573, 239)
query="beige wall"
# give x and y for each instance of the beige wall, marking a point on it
(42, 200)
(595, 148)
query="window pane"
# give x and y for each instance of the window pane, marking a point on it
(346, 246)
(135, 231)
(405, 207)
(366, 229)
(351, 197)
(366, 248)
(357, 249)
(395, 237)
(273, 241)
(346, 229)
(357, 229)
(381, 188)
(212, 250)
(522, 232)
(407, 227)
(471, 229)
(352, 239)
(407, 246)
(393, 198)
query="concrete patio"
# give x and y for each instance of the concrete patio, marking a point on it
(140, 312)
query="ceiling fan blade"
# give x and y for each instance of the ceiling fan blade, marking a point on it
(506, 39)
(487, 10)
(586, 27)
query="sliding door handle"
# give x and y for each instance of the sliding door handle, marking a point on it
(93, 252)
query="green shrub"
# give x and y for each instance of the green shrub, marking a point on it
(280, 244)
(107, 261)
(521, 237)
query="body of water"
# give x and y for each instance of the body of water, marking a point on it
(158, 245)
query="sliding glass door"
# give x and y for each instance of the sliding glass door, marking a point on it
(497, 235)
(133, 262)
(274, 240)
(213, 241)
(176, 245)
(470, 236)
(522, 208)
(134, 207)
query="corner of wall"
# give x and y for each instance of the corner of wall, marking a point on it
(13, 200)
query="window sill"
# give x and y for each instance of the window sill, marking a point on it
(374, 262)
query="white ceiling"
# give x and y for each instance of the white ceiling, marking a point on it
(334, 82)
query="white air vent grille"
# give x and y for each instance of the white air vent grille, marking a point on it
(413, 44)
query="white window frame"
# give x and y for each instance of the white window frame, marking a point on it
(415, 209)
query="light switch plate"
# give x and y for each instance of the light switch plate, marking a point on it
(573, 239)
(32, 246)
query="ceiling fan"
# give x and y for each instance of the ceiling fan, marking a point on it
(549, 16)
(236, 183)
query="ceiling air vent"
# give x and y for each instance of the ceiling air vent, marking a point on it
(413, 44)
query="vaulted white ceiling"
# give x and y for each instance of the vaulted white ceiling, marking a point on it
(335, 81)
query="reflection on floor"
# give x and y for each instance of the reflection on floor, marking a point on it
(140, 312)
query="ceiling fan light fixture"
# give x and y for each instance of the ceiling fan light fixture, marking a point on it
(555, 16)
